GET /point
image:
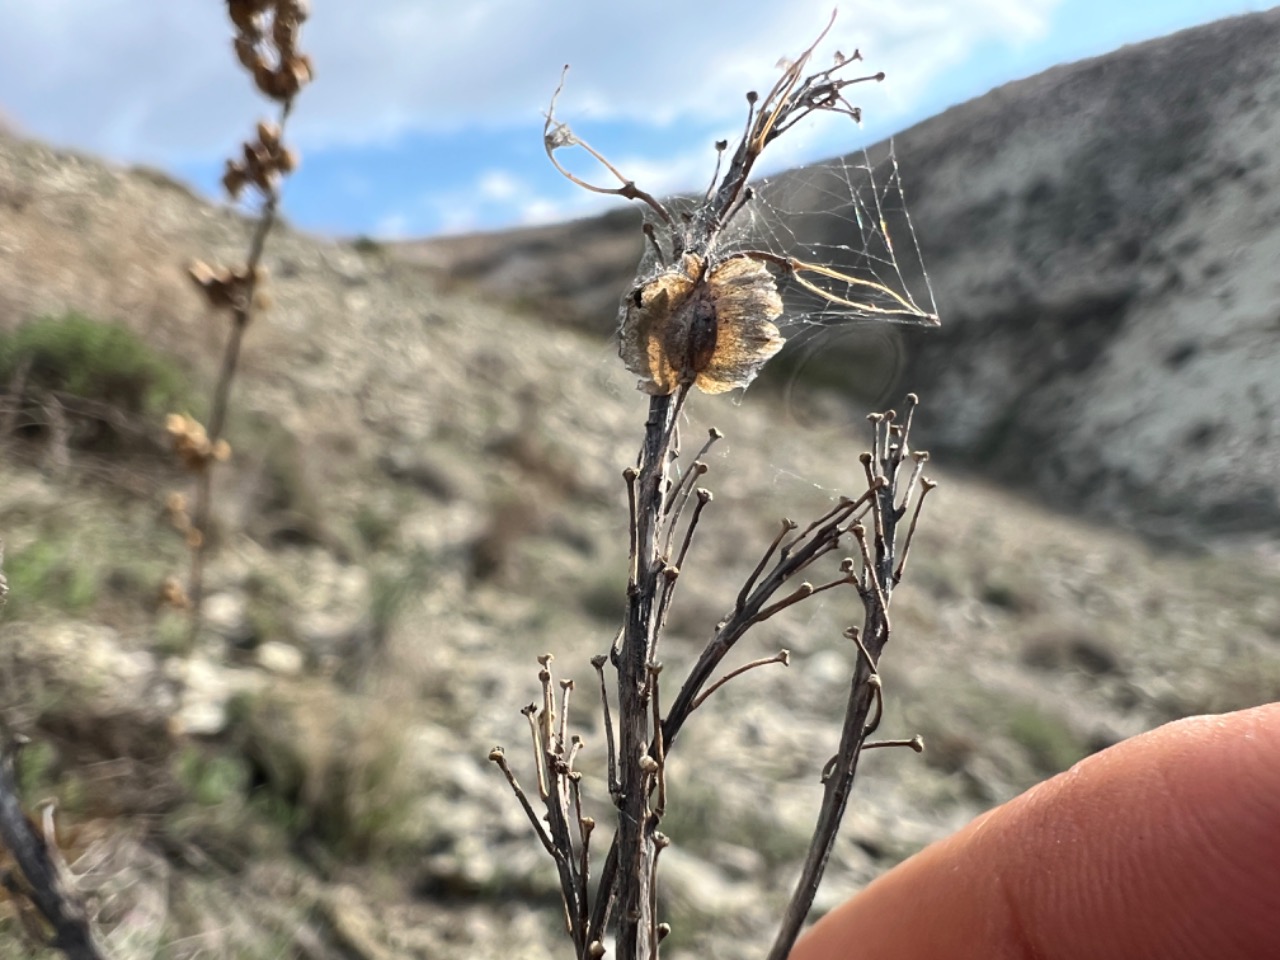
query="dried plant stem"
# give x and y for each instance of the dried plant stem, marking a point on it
(636, 822)
(45, 885)
(884, 468)
(242, 313)
(705, 319)
(782, 656)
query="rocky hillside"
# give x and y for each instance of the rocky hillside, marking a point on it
(425, 493)
(1100, 239)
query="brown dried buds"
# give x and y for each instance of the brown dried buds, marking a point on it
(266, 160)
(227, 286)
(175, 508)
(267, 44)
(191, 443)
(173, 595)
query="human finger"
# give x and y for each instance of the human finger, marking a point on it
(1165, 846)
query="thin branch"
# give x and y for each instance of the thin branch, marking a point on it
(556, 135)
(916, 744)
(498, 756)
(659, 749)
(704, 497)
(531, 714)
(242, 312)
(802, 592)
(920, 458)
(610, 748)
(787, 527)
(45, 886)
(926, 486)
(782, 656)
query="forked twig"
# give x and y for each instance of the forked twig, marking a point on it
(782, 656)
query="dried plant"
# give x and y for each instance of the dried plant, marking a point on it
(266, 44)
(267, 33)
(36, 874)
(700, 317)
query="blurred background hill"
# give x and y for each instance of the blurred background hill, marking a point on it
(425, 494)
(1098, 239)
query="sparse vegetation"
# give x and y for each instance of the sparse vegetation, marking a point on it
(105, 379)
(330, 768)
(1049, 742)
(367, 246)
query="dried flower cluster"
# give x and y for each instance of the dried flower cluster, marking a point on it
(228, 287)
(192, 444)
(175, 508)
(266, 44)
(704, 317)
(266, 160)
(267, 34)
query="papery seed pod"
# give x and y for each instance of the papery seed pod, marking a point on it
(288, 160)
(201, 273)
(299, 9)
(233, 182)
(309, 64)
(261, 300)
(247, 53)
(264, 79)
(172, 593)
(268, 134)
(243, 12)
(284, 33)
(255, 155)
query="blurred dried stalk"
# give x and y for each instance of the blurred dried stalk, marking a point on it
(266, 44)
(699, 317)
(32, 870)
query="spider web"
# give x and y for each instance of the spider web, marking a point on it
(849, 214)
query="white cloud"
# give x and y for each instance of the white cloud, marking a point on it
(538, 210)
(499, 185)
(155, 80)
(392, 226)
(497, 196)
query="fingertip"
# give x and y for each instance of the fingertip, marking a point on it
(1167, 845)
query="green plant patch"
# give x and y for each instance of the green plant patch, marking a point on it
(92, 359)
(50, 573)
(87, 384)
(1049, 742)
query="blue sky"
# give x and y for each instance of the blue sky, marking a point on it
(424, 119)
